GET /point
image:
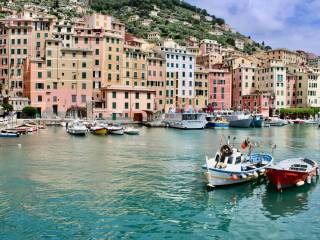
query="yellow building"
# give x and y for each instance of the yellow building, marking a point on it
(201, 85)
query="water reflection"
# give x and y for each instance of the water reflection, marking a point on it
(290, 202)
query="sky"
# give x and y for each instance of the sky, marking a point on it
(293, 24)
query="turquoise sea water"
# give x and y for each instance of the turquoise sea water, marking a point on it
(148, 187)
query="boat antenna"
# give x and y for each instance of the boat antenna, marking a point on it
(234, 138)
(273, 146)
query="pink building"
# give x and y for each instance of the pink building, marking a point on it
(243, 84)
(156, 67)
(220, 87)
(259, 102)
(137, 103)
(292, 85)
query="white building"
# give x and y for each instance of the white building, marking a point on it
(180, 67)
(239, 44)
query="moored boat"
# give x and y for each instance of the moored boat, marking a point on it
(187, 121)
(77, 128)
(98, 129)
(115, 130)
(240, 120)
(217, 122)
(292, 172)
(230, 166)
(298, 121)
(257, 121)
(131, 131)
(9, 135)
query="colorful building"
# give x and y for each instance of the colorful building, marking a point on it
(220, 87)
(201, 88)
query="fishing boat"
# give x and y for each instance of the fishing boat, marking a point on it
(77, 128)
(230, 166)
(240, 120)
(98, 129)
(257, 121)
(131, 131)
(217, 122)
(187, 121)
(115, 130)
(292, 172)
(9, 135)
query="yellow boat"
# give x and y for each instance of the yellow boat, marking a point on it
(98, 130)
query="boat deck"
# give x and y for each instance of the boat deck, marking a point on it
(295, 164)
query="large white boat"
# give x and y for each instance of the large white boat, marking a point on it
(115, 129)
(77, 128)
(186, 120)
(230, 166)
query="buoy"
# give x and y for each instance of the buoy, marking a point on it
(309, 179)
(255, 175)
(234, 177)
(300, 183)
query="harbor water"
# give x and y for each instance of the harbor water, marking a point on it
(149, 186)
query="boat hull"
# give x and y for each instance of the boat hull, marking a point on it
(217, 125)
(9, 135)
(189, 125)
(101, 131)
(116, 132)
(242, 123)
(287, 178)
(257, 123)
(77, 132)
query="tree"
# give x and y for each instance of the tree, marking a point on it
(231, 41)
(29, 112)
(7, 107)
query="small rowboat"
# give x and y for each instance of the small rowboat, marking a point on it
(292, 172)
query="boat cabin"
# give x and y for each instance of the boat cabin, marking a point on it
(228, 157)
(193, 116)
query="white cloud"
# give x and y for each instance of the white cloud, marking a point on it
(293, 24)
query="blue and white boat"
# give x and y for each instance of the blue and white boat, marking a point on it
(230, 166)
(217, 122)
(9, 135)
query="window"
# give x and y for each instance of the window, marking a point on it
(84, 75)
(148, 105)
(48, 74)
(114, 105)
(114, 95)
(39, 74)
(126, 95)
(97, 51)
(49, 63)
(39, 98)
(74, 98)
(126, 105)
(97, 62)
(137, 105)
(38, 35)
(83, 98)
(84, 64)
(148, 96)
(84, 86)
(137, 95)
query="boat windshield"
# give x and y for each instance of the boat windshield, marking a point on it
(230, 160)
(189, 116)
(222, 159)
(238, 160)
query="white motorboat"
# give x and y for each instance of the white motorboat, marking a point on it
(131, 131)
(77, 128)
(230, 166)
(115, 129)
(186, 120)
(276, 122)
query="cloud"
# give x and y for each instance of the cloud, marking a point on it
(294, 24)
